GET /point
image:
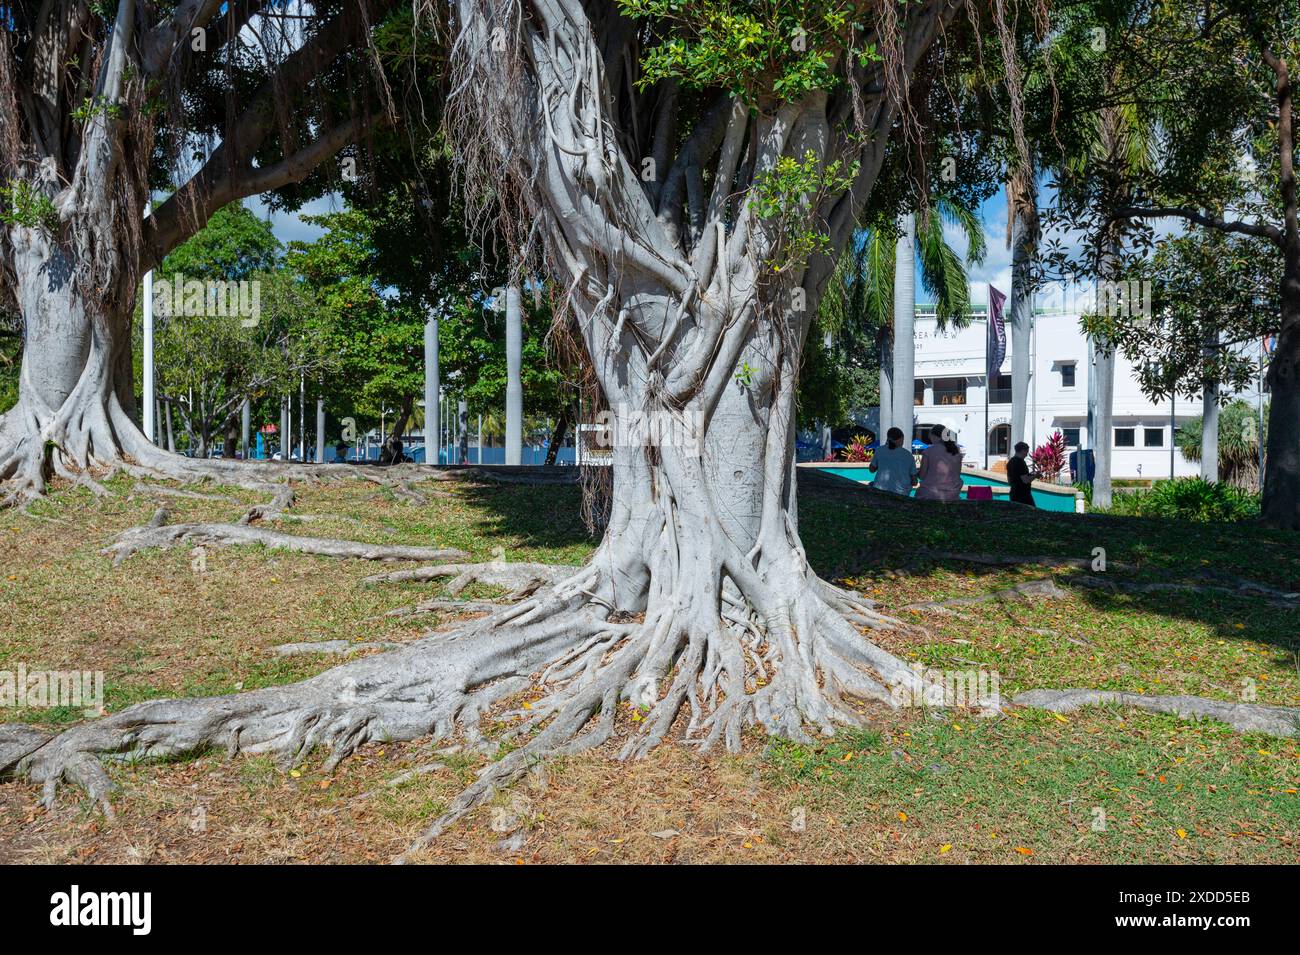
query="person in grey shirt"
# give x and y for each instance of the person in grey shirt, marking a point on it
(894, 466)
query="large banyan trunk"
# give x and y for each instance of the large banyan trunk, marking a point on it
(699, 608)
(73, 417)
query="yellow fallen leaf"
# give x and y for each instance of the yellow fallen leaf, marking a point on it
(294, 773)
(1060, 718)
(1263, 752)
(945, 848)
(1024, 851)
(902, 816)
(1182, 833)
(846, 757)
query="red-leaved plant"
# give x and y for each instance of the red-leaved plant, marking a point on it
(1049, 457)
(857, 450)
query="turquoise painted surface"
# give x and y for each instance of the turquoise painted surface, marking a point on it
(1045, 500)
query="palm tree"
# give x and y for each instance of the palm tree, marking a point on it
(1120, 150)
(887, 265)
(1237, 441)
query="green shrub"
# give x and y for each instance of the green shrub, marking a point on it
(1188, 499)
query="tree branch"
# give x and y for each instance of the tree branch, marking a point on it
(1259, 230)
(221, 178)
(162, 41)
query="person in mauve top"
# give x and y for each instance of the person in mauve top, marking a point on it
(940, 467)
(894, 466)
(1020, 477)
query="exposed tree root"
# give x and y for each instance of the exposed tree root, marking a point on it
(1247, 590)
(522, 578)
(791, 674)
(1243, 717)
(342, 648)
(1001, 560)
(796, 672)
(164, 491)
(158, 533)
(439, 605)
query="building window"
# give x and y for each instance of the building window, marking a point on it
(1153, 437)
(1071, 436)
(1067, 375)
(1000, 394)
(918, 392)
(1000, 439)
(1124, 438)
(950, 391)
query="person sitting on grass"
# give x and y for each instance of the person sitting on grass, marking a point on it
(940, 467)
(1020, 477)
(893, 465)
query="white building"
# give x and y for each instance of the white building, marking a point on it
(950, 388)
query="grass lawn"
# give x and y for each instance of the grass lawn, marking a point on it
(919, 785)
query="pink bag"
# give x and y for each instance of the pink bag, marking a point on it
(979, 492)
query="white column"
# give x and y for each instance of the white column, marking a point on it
(462, 431)
(514, 386)
(320, 430)
(904, 354)
(245, 415)
(432, 393)
(150, 424)
(302, 419)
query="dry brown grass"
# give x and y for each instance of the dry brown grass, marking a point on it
(898, 792)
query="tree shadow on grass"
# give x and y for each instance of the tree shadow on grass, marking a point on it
(543, 515)
(852, 531)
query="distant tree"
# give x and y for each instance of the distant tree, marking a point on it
(208, 364)
(1238, 443)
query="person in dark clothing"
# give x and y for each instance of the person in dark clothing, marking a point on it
(1020, 477)
(341, 451)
